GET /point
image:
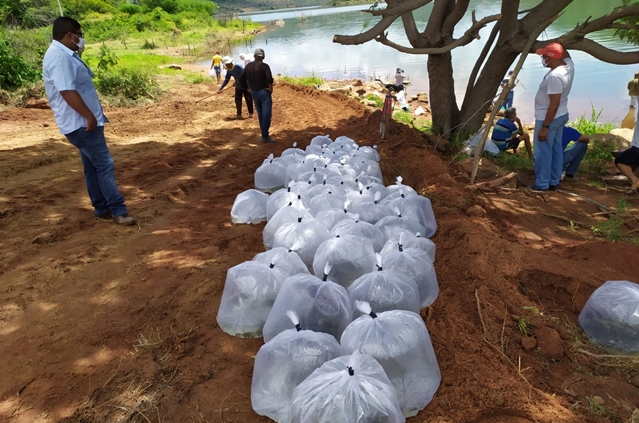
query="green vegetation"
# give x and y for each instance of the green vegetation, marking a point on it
(612, 228)
(510, 161)
(310, 81)
(402, 116)
(591, 125)
(377, 99)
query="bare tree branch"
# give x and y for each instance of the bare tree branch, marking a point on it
(389, 16)
(606, 21)
(509, 24)
(398, 8)
(471, 34)
(410, 28)
(595, 49)
(541, 13)
(482, 57)
(455, 16)
(624, 26)
(433, 31)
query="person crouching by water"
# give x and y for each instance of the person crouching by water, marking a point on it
(235, 71)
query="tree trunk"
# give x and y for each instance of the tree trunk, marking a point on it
(442, 93)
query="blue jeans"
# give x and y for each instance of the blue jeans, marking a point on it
(510, 97)
(549, 154)
(99, 172)
(573, 156)
(264, 108)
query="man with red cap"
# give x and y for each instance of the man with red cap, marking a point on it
(551, 115)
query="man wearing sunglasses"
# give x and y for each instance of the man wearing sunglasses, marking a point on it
(78, 113)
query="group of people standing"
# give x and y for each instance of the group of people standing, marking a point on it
(253, 83)
(553, 158)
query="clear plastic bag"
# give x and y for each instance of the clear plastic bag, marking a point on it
(369, 167)
(280, 198)
(270, 175)
(350, 256)
(415, 207)
(610, 317)
(392, 225)
(322, 306)
(348, 389)
(288, 260)
(400, 342)
(372, 211)
(287, 214)
(399, 189)
(283, 363)
(325, 201)
(250, 290)
(360, 228)
(384, 290)
(249, 207)
(322, 140)
(409, 240)
(305, 234)
(416, 264)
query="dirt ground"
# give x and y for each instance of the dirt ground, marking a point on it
(100, 323)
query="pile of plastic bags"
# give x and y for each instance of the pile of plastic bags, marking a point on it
(338, 293)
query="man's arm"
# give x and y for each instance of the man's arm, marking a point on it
(521, 128)
(269, 78)
(74, 100)
(227, 78)
(550, 116)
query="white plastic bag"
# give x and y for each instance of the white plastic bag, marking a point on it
(212, 73)
(398, 189)
(305, 233)
(249, 207)
(287, 214)
(416, 264)
(322, 305)
(384, 290)
(287, 260)
(350, 256)
(416, 207)
(280, 198)
(409, 240)
(321, 140)
(391, 225)
(366, 230)
(283, 363)
(610, 317)
(270, 175)
(250, 290)
(400, 342)
(372, 211)
(348, 389)
(471, 145)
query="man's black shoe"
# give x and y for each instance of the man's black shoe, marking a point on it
(553, 188)
(104, 216)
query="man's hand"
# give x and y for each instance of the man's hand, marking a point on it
(74, 100)
(92, 123)
(543, 135)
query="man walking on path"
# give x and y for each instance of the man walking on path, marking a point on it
(633, 91)
(217, 65)
(235, 71)
(258, 78)
(551, 115)
(78, 113)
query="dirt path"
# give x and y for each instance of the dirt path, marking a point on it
(100, 323)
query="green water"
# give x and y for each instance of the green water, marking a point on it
(304, 46)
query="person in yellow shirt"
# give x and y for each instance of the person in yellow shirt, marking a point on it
(217, 65)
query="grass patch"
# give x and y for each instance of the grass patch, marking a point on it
(612, 228)
(196, 78)
(379, 102)
(402, 116)
(591, 125)
(310, 81)
(509, 161)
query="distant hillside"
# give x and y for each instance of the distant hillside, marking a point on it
(255, 5)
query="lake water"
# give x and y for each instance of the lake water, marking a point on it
(304, 45)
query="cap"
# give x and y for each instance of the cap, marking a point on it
(226, 60)
(553, 50)
(217, 52)
(258, 52)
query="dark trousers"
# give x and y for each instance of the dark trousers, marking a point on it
(238, 100)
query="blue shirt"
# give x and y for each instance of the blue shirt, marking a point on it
(235, 73)
(503, 131)
(63, 70)
(569, 134)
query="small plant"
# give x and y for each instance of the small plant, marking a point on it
(589, 126)
(311, 81)
(612, 228)
(106, 59)
(523, 325)
(534, 309)
(197, 78)
(511, 161)
(402, 116)
(128, 84)
(149, 45)
(378, 101)
(598, 157)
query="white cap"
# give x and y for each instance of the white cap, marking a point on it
(226, 60)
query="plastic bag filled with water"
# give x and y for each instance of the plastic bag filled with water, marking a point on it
(415, 207)
(416, 264)
(399, 189)
(322, 305)
(280, 198)
(288, 214)
(283, 363)
(249, 293)
(305, 234)
(610, 317)
(348, 389)
(392, 225)
(372, 211)
(321, 140)
(270, 175)
(400, 342)
(356, 226)
(249, 207)
(409, 240)
(384, 290)
(350, 256)
(288, 260)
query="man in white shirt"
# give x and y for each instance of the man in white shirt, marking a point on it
(551, 115)
(78, 113)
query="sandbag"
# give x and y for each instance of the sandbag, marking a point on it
(250, 290)
(610, 317)
(283, 363)
(384, 290)
(271, 174)
(400, 342)
(350, 256)
(249, 207)
(322, 306)
(348, 389)
(416, 264)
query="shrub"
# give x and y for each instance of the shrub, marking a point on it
(589, 126)
(130, 9)
(129, 84)
(14, 70)
(149, 45)
(377, 99)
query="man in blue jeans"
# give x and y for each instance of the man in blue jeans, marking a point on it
(551, 115)
(258, 78)
(78, 113)
(575, 153)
